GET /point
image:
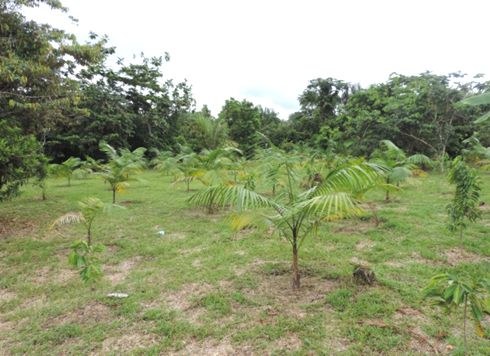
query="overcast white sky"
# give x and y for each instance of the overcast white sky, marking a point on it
(267, 51)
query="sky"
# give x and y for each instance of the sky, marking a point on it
(267, 51)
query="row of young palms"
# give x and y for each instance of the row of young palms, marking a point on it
(299, 191)
(302, 189)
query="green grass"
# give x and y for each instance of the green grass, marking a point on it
(203, 288)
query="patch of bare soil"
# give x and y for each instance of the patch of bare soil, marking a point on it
(458, 255)
(6, 295)
(182, 299)
(415, 257)
(364, 245)
(193, 250)
(284, 300)
(410, 321)
(15, 226)
(213, 347)
(6, 326)
(484, 207)
(49, 275)
(201, 213)
(91, 313)
(128, 342)
(288, 343)
(35, 303)
(354, 226)
(118, 273)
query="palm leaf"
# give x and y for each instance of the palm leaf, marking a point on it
(481, 99)
(399, 174)
(331, 206)
(236, 195)
(351, 178)
(420, 160)
(482, 118)
(71, 217)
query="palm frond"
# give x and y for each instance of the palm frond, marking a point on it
(481, 99)
(483, 118)
(236, 195)
(71, 217)
(331, 206)
(351, 178)
(420, 160)
(399, 174)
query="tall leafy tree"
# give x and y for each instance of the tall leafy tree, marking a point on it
(199, 131)
(38, 85)
(243, 120)
(320, 104)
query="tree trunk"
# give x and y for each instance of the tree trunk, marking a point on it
(294, 267)
(387, 198)
(89, 235)
(113, 195)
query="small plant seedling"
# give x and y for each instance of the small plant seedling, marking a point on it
(83, 257)
(83, 252)
(464, 206)
(453, 291)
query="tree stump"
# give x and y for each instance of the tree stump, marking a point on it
(363, 275)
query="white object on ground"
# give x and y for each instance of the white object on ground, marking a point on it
(117, 295)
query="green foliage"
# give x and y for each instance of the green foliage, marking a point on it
(298, 213)
(66, 169)
(453, 292)
(120, 167)
(200, 132)
(243, 121)
(419, 113)
(20, 159)
(477, 100)
(399, 166)
(83, 258)
(90, 208)
(464, 205)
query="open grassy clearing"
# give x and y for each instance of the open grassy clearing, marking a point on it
(202, 289)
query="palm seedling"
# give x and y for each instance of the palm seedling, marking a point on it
(296, 213)
(121, 166)
(399, 166)
(66, 169)
(82, 255)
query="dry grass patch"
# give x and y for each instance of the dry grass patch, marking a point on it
(459, 255)
(212, 347)
(127, 343)
(283, 300)
(6, 295)
(354, 226)
(364, 245)
(91, 313)
(118, 273)
(182, 299)
(15, 226)
(288, 343)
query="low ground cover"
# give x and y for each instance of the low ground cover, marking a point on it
(202, 288)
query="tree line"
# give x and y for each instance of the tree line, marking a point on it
(60, 98)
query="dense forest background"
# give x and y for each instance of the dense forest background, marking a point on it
(60, 98)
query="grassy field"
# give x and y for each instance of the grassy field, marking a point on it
(203, 289)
